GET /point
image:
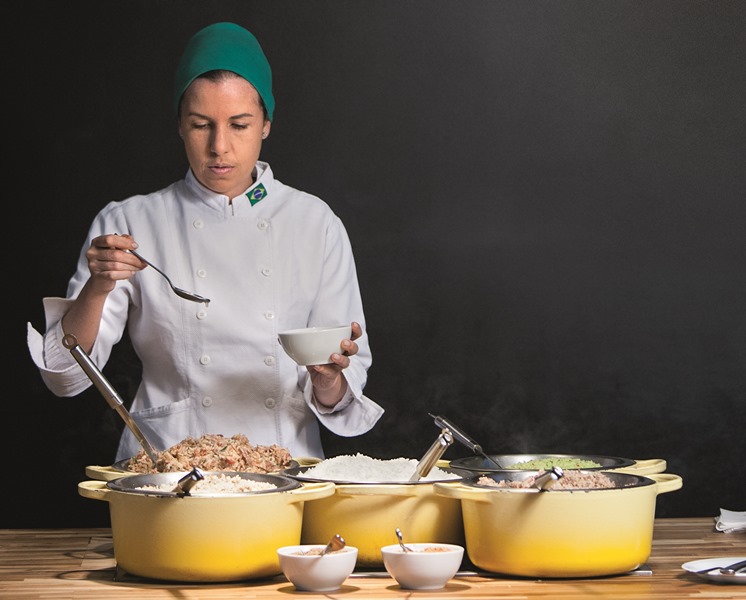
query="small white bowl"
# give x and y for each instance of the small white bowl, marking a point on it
(310, 572)
(314, 345)
(429, 567)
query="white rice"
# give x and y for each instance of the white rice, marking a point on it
(365, 469)
(217, 484)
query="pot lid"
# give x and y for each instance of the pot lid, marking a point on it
(134, 484)
(299, 473)
(620, 481)
(485, 465)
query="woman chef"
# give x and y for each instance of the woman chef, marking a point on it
(269, 258)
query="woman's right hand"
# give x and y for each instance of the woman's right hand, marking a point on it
(109, 261)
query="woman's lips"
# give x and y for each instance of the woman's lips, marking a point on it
(220, 169)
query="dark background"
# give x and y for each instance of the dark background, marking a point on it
(545, 199)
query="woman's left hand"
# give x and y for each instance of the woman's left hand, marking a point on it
(329, 385)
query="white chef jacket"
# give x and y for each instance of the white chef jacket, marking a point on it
(284, 262)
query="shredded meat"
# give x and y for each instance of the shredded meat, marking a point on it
(576, 480)
(214, 452)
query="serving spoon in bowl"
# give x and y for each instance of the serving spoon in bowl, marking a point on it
(401, 541)
(336, 543)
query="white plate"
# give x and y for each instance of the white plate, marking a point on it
(712, 563)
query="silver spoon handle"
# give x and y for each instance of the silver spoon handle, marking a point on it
(427, 462)
(150, 264)
(464, 439)
(734, 568)
(108, 392)
(178, 291)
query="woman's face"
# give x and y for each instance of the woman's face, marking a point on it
(222, 124)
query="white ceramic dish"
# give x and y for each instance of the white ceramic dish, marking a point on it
(714, 563)
(314, 345)
(310, 572)
(429, 567)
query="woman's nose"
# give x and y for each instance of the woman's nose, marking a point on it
(219, 141)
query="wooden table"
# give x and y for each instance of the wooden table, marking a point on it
(62, 564)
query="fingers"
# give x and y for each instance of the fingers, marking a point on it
(349, 347)
(338, 363)
(115, 240)
(108, 257)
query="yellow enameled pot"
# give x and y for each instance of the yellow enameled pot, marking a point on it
(367, 515)
(196, 538)
(558, 532)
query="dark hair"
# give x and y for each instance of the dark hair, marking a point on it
(221, 75)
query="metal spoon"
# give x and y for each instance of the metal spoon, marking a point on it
(113, 399)
(459, 434)
(401, 541)
(336, 543)
(547, 479)
(186, 483)
(734, 568)
(433, 454)
(178, 291)
(727, 570)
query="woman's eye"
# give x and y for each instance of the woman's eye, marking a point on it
(239, 126)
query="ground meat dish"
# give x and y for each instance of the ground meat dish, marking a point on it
(571, 480)
(214, 452)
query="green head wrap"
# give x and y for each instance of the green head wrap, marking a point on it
(230, 47)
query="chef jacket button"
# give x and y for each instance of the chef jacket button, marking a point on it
(270, 403)
(201, 313)
(266, 271)
(269, 315)
(269, 360)
(207, 401)
(204, 359)
(202, 273)
(262, 225)
(198, 224)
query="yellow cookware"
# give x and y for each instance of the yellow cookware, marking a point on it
(558, 532)
(203, 538)
(367, 515)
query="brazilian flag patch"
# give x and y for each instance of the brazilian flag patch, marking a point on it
(256, 194)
